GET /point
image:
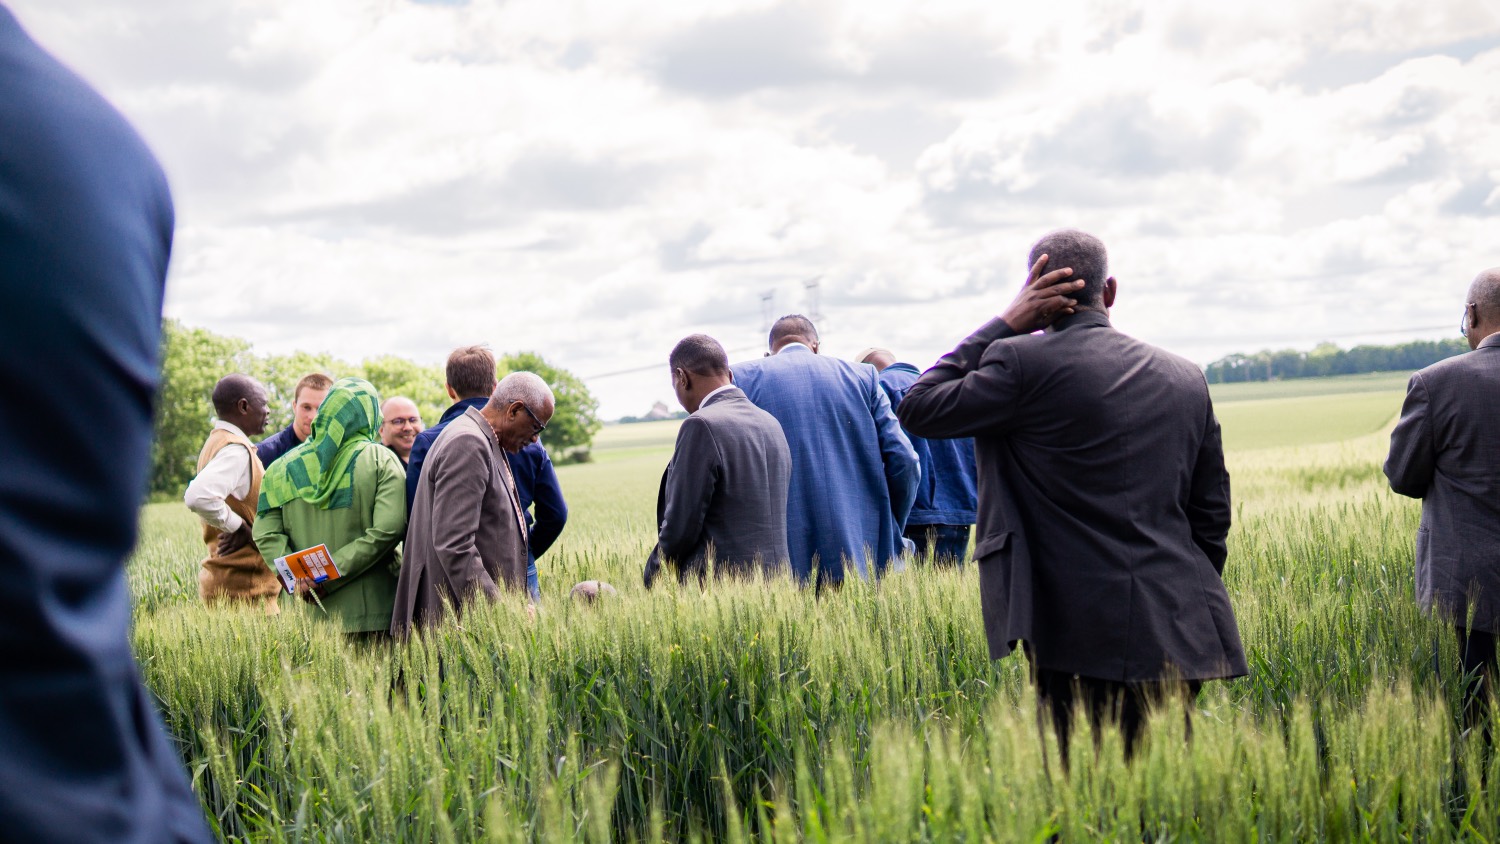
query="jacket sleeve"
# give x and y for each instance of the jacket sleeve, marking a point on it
(387, 520)
(414, 461)
(968, 391)
(270, 536)
(692, 477)
(1208, 509)
(459, 482)
(1412, 460)
(550, 508)
(902, 471)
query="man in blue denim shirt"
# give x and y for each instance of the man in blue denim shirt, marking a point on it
(471, 379)
(947, 497)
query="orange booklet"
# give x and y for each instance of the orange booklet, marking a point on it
(314, 564)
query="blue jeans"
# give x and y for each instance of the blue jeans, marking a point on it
(940, 544)
(531, 582)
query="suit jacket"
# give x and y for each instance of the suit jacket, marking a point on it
(465, 536)
(85, 233)
(1445, 450)
(724, 493)
(1103, 499)
(854, 473)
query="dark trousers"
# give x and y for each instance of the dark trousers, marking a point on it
(1476, 653)
(1060, 694)
(942, 544)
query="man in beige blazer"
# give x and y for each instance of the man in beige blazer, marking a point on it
(466, 534)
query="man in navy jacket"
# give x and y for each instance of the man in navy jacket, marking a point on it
(85, 233)
(471, 379)
(947, 498)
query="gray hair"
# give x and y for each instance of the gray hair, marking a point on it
(525, 387)
(1081, 251)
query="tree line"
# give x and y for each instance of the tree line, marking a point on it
(1329, 359)
(194, 359)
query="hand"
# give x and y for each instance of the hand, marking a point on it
(232, 542)
(305, 588)
(1043, 299)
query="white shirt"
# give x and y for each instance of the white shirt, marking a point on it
(228, 473)
(789, 345)
(729, 386)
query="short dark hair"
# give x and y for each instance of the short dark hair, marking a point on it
(230, 389)
(1081, 251)
(313, 381)
(471, 372)
(792, 325)
(699, 354)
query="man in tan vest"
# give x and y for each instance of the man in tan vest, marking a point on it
(224, 494)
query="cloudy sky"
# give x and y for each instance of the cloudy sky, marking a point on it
(595, 180)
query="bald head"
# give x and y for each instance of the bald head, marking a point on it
(241, 401)
(400, 424)
(1482, 307)
(793, 328)
(876, 357)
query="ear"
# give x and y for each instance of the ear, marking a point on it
(452, 393)
(813, 346)
(1111, 287)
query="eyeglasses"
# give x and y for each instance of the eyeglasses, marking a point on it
(404, 420)
(1463, 321)
(535, 421)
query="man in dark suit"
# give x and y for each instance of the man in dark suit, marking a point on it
(1103, 499)
(1445, 450)
(724, 493)
(85, 233)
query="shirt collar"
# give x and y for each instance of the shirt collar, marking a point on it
(232, 428)
(710, 396)
(1490, 341)
(460, 406)
(905, 367)
(788, 347)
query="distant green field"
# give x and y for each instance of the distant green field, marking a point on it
(1370, 382)
(1262, 414)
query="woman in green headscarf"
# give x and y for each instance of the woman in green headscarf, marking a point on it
(341, 489)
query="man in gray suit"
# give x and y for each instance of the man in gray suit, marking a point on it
(466, 533)
(724, 493)
(1103, 498)
(1446, 451)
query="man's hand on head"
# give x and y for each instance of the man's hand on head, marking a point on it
(1043, 299)
(232, 542)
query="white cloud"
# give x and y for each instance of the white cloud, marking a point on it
(595, 180)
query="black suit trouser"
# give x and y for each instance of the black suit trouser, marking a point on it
(1060, 694)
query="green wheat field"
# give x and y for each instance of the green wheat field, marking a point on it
(758, 712)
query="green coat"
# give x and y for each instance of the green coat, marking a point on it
(362, 539)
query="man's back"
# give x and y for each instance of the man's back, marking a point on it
(727, 485)
(1446, 451)
(1104, 503)
(85, 232)
(848, 453)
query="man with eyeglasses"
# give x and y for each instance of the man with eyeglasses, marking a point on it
(1445, 450)
(466, 534)
(402, 424)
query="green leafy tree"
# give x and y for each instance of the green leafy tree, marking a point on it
(575, 419)
(280, 374)
(193, 360)
(395, 376)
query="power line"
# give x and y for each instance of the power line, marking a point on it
(650, 366)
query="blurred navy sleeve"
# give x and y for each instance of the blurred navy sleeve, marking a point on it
(85, 233)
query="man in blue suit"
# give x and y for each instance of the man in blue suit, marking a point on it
(85, 232)
(854, 473)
